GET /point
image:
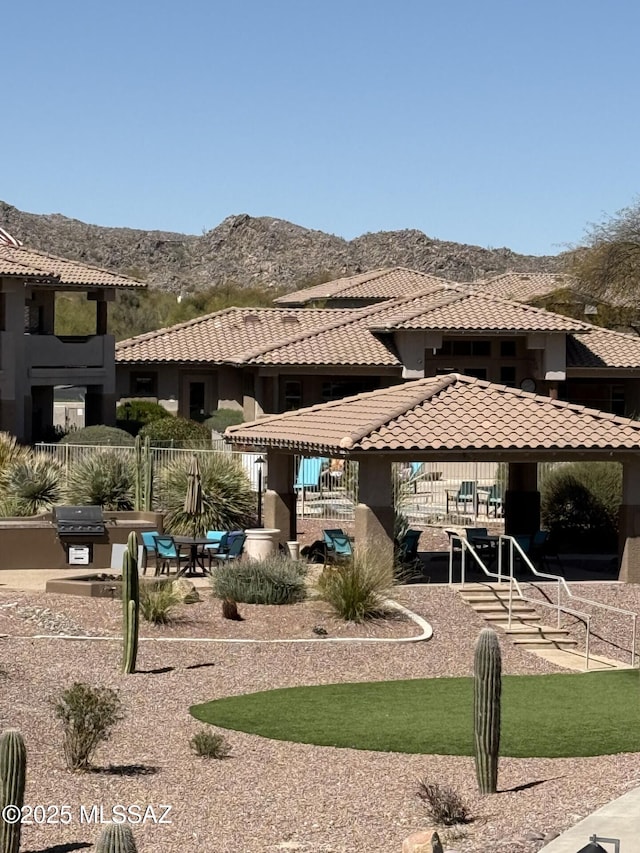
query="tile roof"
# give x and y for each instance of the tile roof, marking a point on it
(387, 283)
(262, 336)
(523, 286)
(29, 263)
(603, 348)
(460, 308)
(450, 413)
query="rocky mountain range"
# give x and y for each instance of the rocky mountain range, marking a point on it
(257, 251)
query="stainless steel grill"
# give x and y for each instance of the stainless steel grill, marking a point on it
(79, 521)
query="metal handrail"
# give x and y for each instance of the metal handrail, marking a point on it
(562, 584)
(465, 546)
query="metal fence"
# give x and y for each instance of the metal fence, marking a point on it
(430, 493)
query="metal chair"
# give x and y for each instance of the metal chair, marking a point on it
(337, 546)
(148, 546)
(167, 552)
(232, 548)
(465, 497)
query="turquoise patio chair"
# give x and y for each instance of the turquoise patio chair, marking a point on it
(148, 546)
(337, 546)
(231, 549)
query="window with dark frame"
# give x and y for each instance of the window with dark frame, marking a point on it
(144, 384)
(508, 376)
(292, 395)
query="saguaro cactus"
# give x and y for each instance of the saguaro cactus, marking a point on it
(13, 767)
(130, 603)
(116, 838)
(143, 479)
(487, 672)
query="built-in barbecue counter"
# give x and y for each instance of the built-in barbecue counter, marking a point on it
(43, 542)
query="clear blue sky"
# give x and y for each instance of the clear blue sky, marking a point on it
(494, 122)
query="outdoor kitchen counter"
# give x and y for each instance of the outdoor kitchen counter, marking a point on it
(33, 543)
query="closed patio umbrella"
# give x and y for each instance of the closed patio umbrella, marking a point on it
(193, 497)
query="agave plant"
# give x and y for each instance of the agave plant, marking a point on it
(30, 484)
(104, 478)
(227, 499)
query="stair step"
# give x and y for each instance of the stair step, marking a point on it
(498, 607)
(540, 642)
(533, 631)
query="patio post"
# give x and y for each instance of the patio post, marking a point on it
(629, 522)
(374, 516)
(279, 504)
(522, 500)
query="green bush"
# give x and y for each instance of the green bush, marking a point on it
(157, 600)
(134, 414)
(208, 744)
(29, 484)
(357, 590)
(100, 435)
(227, 500)
(176, 431)
(87, 714)
(580, 503)
(103, 478)
(275, 580)
(222, 418)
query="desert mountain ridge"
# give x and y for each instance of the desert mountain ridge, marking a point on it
(257, 251)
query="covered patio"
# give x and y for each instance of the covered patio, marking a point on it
(445, 418)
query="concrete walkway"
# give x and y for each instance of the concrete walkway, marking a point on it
(618, 819)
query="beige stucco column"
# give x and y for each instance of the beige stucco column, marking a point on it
(522, 500)
(374, 517)
(629, 522)
(279, 505)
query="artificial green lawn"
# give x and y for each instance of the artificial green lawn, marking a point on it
(554, 716)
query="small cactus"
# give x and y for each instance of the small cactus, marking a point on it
(116, 838)
(487, 691)
(13, 768)
(130, 604)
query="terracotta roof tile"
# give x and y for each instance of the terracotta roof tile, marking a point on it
(523, 286)
(21, 261)
(387, 283)
(456, 307)
(262, 336)
(445, 413)
(599, 347)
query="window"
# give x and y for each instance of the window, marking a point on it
(292, 395)
(476, 372)
(465, 348)
(617, 400)
(508, 376)
(144, 384)
(197, 411)
(507, 349)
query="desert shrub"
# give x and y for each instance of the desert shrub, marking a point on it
(178, 431)
(87, 714)
(443, 804)
(209, 744)
(227, 500)
(134, 414)
(100, 435)
(274, 580)
(222, 418)
(103, 478)
(29, 484)
(157, 600)
(10, 449)
(580, 503)
(358, 589)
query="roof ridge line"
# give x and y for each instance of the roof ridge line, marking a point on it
(351, 315)
(352, 438)
(155, 333)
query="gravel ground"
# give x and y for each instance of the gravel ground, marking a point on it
(272, 795)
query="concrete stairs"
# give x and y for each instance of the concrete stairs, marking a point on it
(491, 601)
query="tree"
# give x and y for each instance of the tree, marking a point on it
(609, 264)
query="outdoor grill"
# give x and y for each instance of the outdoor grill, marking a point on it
(79, 521)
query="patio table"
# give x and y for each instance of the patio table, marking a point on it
(196, 553)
